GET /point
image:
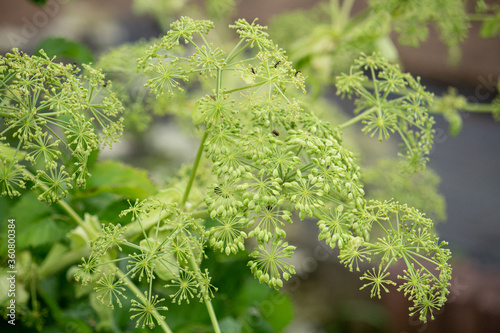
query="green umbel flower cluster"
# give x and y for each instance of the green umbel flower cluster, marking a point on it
(383, 115)
(272, 158)
(270, 154)
(403, 235)
(171, 251)
(51, 113)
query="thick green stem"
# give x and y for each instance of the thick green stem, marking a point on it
(346, 10)
(213, 317)
(335, 14)
(478, 107)
(200, 149)
(193, 171)
(62, 262)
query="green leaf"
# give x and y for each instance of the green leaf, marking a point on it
(169, 195)
(111, 214)
(251, 292)
(5, 205)
(35, 225)
(78, 238)
(277, 309)
(118, 178)
(55, 253)
(61, 47)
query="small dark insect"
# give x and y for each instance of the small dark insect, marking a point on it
(217, 190)
(269, 208)
(105, 84)
(212, 97)
(275, 132)
(253, 70)
(276, 64)
(201, 73)
(297, 72)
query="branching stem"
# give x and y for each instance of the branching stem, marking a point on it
(193, 171)
(359, 117)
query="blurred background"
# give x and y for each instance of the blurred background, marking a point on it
(325, 294)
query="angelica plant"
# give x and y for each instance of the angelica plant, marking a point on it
(269, 158)
(265, 159)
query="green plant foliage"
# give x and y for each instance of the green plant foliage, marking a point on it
(491, 27)
(449, 105)
(270, 157)
(115, 177)
(382, 115)
(200, 252)
(50, 110)
(411, 19)
(120, 66)
(64, 48)
(327, 39)
(324, 41)
(37, 223)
